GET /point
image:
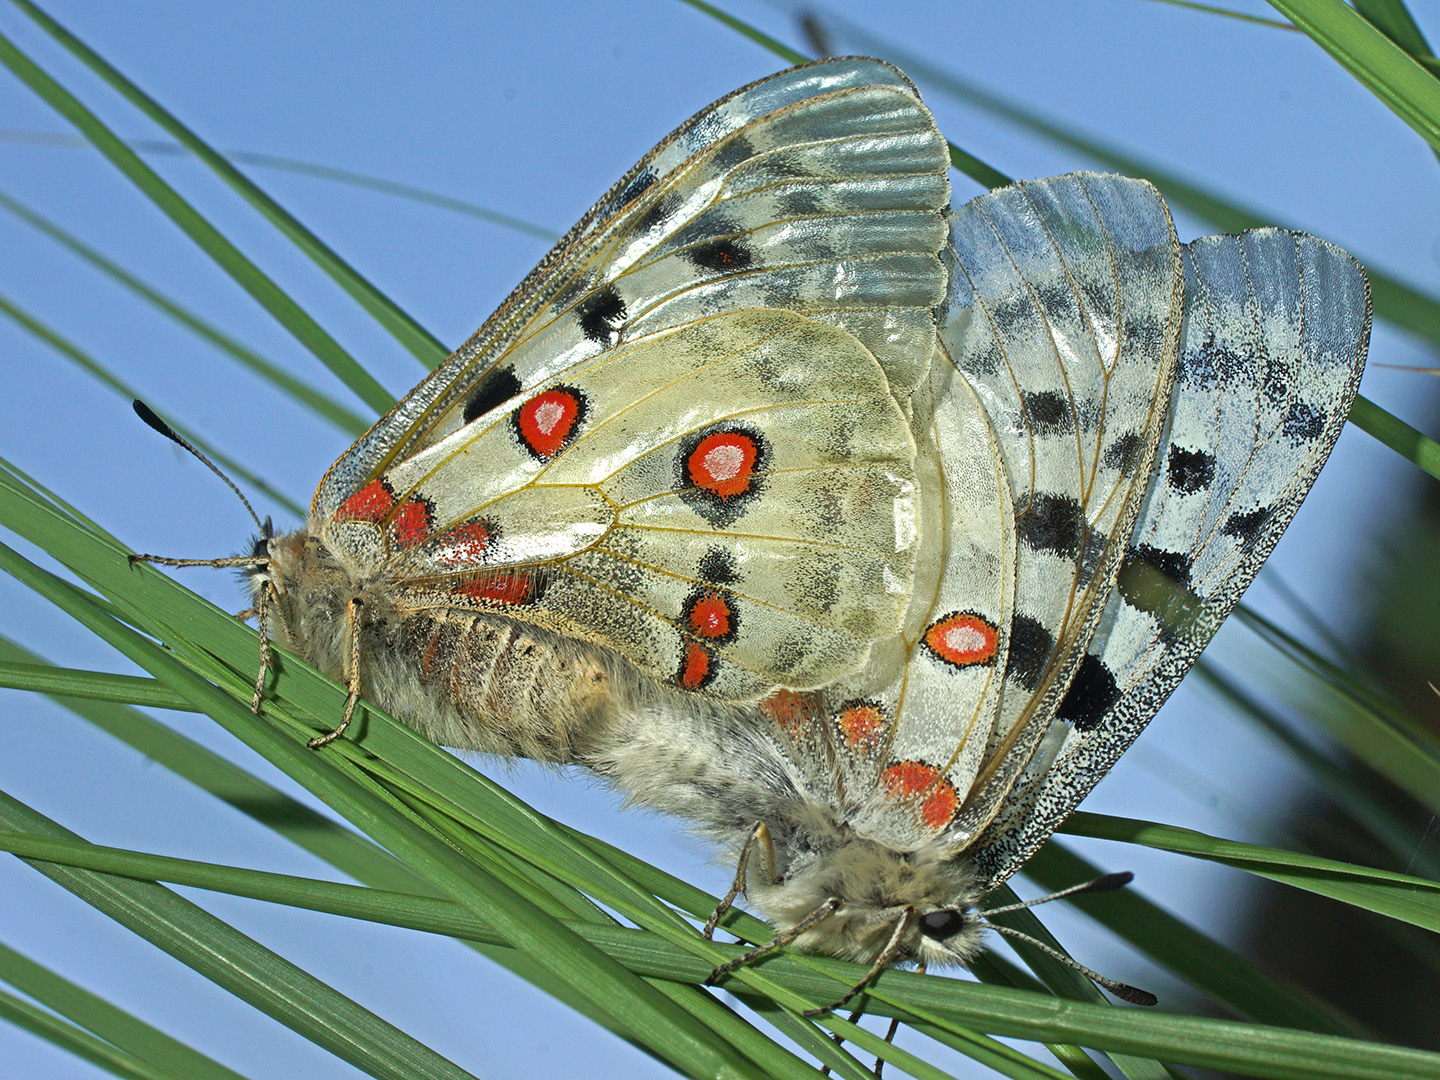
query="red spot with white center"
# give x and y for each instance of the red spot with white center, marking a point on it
(723, 463)
(501, 587)
(862, 726)
(371, 503)
(697, 667)
(709, 615)
(412, 522)
(548, 421)
(466, 545)
(962, 639)
(916, 780)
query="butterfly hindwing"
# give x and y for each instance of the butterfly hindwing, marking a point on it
(1064, 317)
(729, 528)
(1276, 327)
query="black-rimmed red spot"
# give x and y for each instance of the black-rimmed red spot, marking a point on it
(720, 471)
(862, 726)
(916, 780)
(549, 421)
(697, 667)
(962, 639)
(371, 503)
(413, 521)
(501, 587)
(710, 614)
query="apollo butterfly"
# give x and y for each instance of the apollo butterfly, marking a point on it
(859, 533)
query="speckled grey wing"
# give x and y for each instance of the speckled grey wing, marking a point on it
(1064, 318)
(821, 190)
(1276, 330)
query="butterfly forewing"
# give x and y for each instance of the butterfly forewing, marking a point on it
(766, 199)
(1276, 328)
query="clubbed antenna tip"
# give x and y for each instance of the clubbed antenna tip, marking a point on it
(153, 421)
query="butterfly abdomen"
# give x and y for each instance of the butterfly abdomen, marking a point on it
(459, 677)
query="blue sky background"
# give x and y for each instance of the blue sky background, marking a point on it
(535, 113)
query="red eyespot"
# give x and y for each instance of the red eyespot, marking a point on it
(501, 587)
(723, 463)
(709, 614)
(412, 522)
(466, 545)
(963, 639)
(791, 712)
(548, 421)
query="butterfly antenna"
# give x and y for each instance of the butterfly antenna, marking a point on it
(1103, 883)
(1124, 991)
(148, 415)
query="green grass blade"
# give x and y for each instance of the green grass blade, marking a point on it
(1397, 435)
(410, 334)
(631, 1005)
(93, 367)
(209, 239)
(347, 420)
(240, 965)
(98, 685)
(348, 177)
(1400, 896)
(99, 1018)
(1177, 946)
(77, 1041)
(1381, 66)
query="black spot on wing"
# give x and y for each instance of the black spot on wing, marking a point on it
(1303, 422)
(1092, 694)
(724, 256)
(801, 201)
(640, 183)
(1121, 454)
(1048, 412)
(717, 566)
(732, 152)
(1157, 582)
(1190, 471)
(1054, 523)
(1030, 648)
(600, 315)
(1175, 565)
(1246, 525)
(657, 214)
(495, 389)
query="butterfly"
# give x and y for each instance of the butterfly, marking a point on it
(862, 534)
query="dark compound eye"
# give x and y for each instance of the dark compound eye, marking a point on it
(941, 924)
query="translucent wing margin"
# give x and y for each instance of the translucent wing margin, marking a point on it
(1064, 318)
(1275, 336)
(822, 190)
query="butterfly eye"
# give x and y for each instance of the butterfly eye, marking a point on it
(941, 924)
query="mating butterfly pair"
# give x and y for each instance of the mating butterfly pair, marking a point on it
(862, 535)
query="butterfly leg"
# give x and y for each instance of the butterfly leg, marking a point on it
(352, 676)
(780, 940)
(888, 956)
(262, 623)
(759, 834)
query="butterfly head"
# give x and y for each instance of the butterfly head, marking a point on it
(928, 896)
